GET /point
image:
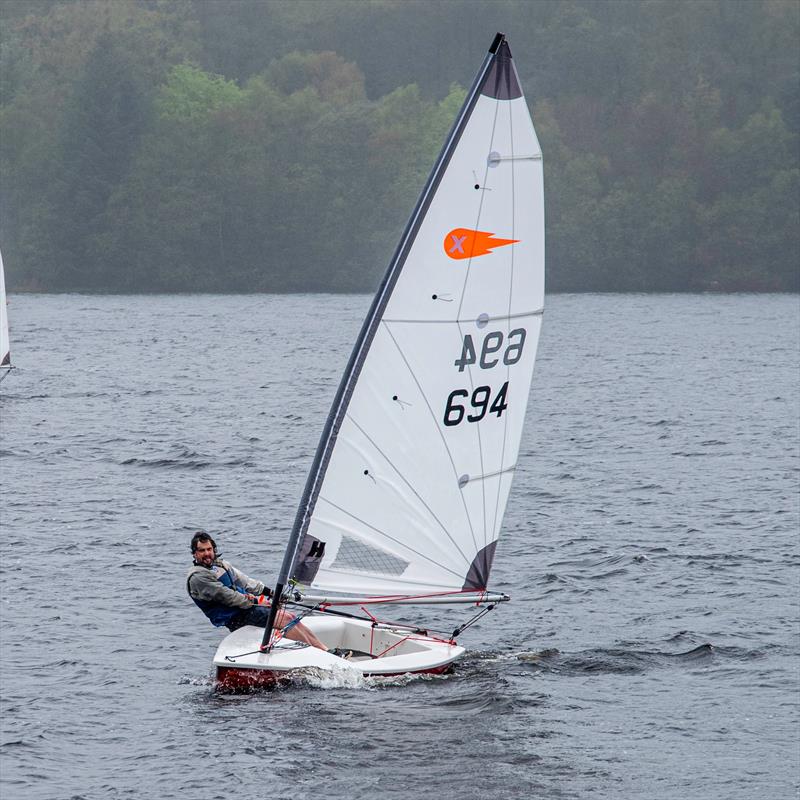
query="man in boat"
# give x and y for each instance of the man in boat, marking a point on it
(229, 597)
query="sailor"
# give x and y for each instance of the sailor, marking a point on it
(229, 597)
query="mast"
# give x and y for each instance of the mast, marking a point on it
(365, 337)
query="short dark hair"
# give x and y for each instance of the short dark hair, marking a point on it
(202, 536)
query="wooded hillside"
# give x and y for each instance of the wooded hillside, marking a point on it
(265, 145)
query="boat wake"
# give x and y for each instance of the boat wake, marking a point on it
(333, 679)
(611, 660)
(330, 679)
(193, 680)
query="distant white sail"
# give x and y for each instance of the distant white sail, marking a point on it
(411, 480)
(5, 348)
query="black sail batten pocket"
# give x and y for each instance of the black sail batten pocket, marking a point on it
(478, 575)
(309, 557)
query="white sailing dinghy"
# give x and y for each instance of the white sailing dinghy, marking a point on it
(5, 346)
(408, 488)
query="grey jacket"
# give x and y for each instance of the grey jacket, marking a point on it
(204, 584)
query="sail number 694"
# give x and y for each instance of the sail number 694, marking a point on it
(455, 411)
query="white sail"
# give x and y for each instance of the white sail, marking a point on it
(408, 495)
(5, 348)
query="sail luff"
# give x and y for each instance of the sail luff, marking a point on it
(372, 321)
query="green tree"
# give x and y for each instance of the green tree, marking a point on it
(279, 144)
(100, 133)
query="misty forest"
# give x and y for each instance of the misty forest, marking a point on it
(268, 145)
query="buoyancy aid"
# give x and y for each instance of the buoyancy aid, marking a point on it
(219, 614)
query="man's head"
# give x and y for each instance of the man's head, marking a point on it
(204, 549)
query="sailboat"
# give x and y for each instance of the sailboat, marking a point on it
(406, 494)
(5, 346)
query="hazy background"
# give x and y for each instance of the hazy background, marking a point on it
(202, 145)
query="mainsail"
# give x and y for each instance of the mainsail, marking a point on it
(5, 348)
(409, 485)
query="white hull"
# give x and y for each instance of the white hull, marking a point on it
(378, 651)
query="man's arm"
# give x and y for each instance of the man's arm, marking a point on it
(249, 585)
(204, 586)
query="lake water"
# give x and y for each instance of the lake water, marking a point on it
(651, 548)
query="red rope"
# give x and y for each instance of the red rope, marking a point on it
(413, 639)
(376, 621)
(389, 597)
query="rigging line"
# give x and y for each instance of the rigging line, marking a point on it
(494, 474)
(478, 427)
(438, 429)
(386, 536)
(480, 451)
(416, 493)
(493, 533)
(537, 312)
(482, 596)
(480, 209)
(383, 624)
(461, 628)
(513, 205)
(458, 314)
(510, 298)
(288, 646)
(512, 157)
(478, 548)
